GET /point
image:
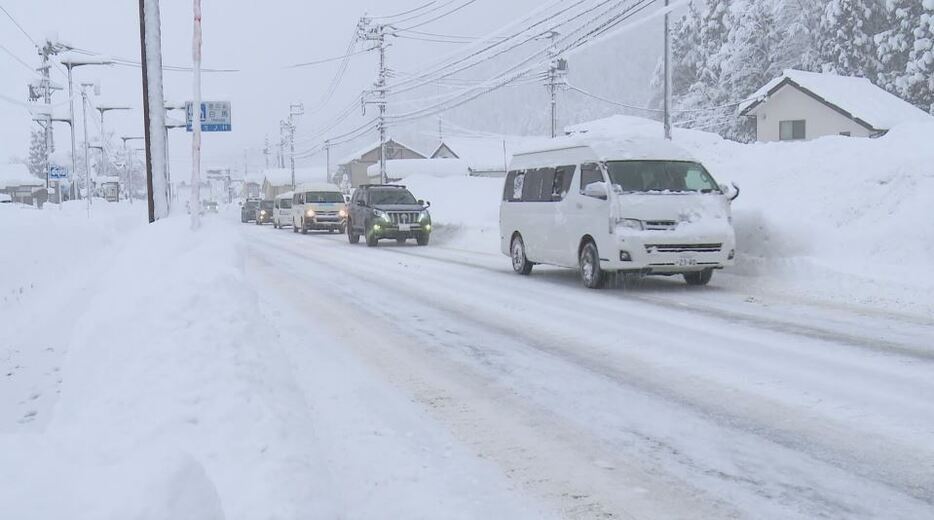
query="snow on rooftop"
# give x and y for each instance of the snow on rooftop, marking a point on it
(283, 176)
(17, 175)
(373, 146)
(402, 168)
(858, 96)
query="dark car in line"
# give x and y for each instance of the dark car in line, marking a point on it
(381, 211)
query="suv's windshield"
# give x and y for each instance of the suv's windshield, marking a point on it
(653, 176)
(267, 204)
(391, 196)
(251, 204)
(323, 197)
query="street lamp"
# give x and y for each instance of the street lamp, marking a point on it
(103, 109)
(71, 63)
(129, 175)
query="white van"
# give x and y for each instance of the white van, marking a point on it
(318, 206)
(637, 205)
(282, 210)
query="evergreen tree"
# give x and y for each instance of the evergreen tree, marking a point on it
(906, 51)
(847, 44)
(36, 160)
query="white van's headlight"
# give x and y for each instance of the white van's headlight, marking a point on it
(310, 213)
(342, 213)
(630, 223)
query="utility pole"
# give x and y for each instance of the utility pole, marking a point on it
(127, 163)
(87, 160)
(195, 199)
(327, 153)
(266, 151)
(45, 93)
(280, 159)
(557, 71)
(294, 111)
(377, 33)
(153, 109)
(667, 74)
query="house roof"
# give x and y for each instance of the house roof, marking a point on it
(17, 175)
(283, 176)
(402, 168)
(856, 98)
(488, 153)
(373, 147)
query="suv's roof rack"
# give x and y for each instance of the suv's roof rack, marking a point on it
(381, 186)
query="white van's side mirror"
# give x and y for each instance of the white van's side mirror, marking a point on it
(731, 191)
(596, 190)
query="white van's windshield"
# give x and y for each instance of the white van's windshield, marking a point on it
(323, 197)
(660, 176)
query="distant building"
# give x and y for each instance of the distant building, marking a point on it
(484, 156)
(806, 105)
(21, 186)
(354, 167)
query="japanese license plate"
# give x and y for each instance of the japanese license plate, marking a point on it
(686, 261)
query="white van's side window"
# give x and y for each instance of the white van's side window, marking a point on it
(515, 182)
(562, 183)
(590, 173)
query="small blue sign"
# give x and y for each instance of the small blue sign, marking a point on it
(57, 173)
(215, 116)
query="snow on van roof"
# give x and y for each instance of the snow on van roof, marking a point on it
(316, 186)
(617, 138)
(286, 195)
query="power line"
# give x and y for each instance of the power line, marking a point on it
(18, 26)
(327, 60)
(444, 15)
(403, 13)
(18, 59)
(611, 102)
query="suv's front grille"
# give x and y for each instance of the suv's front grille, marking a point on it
(403, 217)
(683, 248)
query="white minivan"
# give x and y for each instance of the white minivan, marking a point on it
(282, 211)
(318, 207)
(636, 205)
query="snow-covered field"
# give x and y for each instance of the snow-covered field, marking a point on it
(241, 372)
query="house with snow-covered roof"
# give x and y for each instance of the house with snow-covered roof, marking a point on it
(277, 181)
(802, 105)
(353, 168)
(20, 185)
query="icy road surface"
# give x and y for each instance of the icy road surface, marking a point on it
(658, 402)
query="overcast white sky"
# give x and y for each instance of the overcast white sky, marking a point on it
(259, 38)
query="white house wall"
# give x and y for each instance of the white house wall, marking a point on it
(789, 104)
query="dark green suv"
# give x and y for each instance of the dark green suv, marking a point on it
(381, 211)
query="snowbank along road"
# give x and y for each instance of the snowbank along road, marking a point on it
(653, 402)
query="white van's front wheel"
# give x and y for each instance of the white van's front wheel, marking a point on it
(520, 263)
(591, 273)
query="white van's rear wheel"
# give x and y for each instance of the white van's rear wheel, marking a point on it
(520, 263)
(591, 273)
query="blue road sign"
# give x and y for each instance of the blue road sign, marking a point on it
(57, 173)
(215, 116)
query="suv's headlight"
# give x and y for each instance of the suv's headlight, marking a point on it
(424, 216)
(262, 212)
(378, 213)
(630, 223)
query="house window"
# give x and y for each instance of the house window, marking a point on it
(791, 130)
(846, 134)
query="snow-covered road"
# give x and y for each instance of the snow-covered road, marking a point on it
(655, 402)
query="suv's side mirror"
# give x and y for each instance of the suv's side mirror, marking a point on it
(360, 203)
(596, 190)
